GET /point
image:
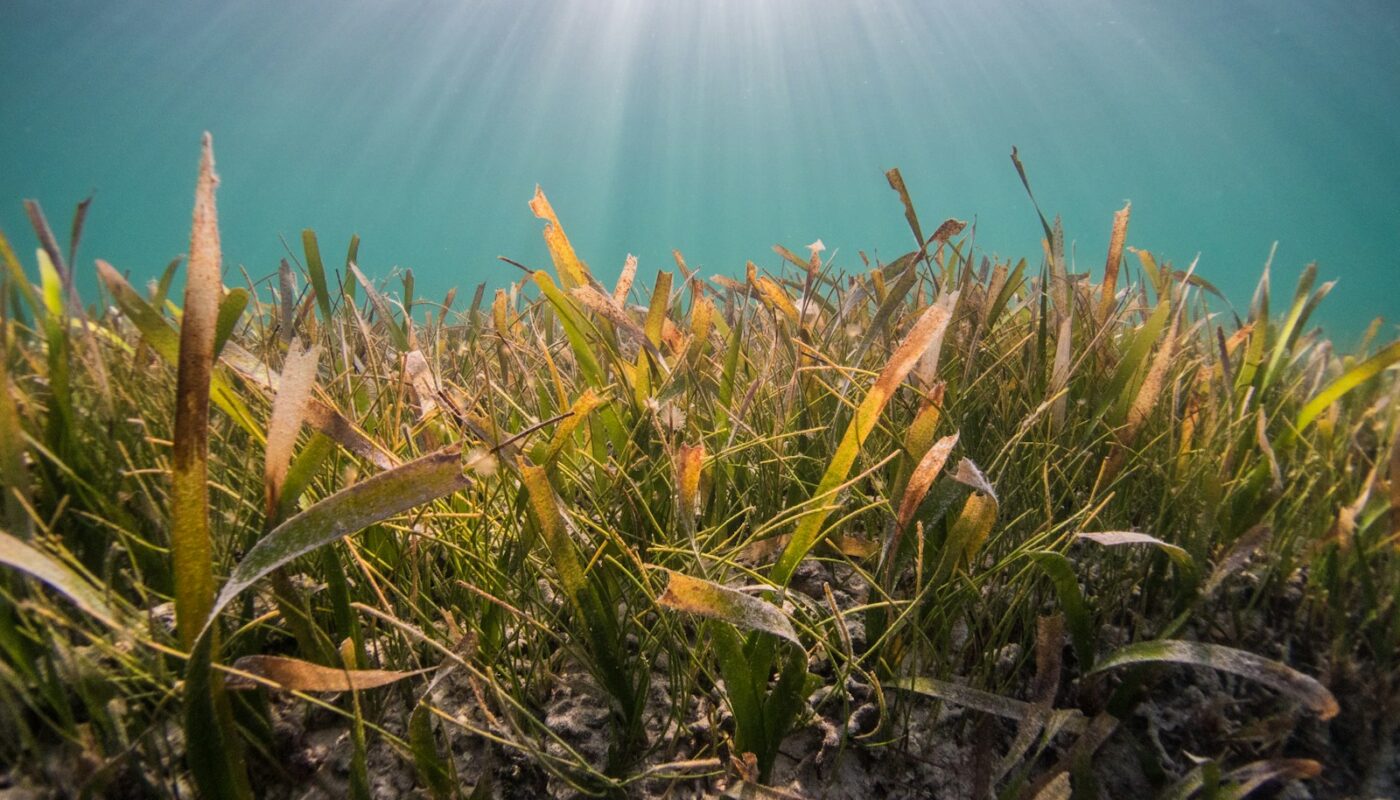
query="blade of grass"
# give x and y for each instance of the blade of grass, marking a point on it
(381, 307)
(1239, 553)
(350, 510)
(966, 535)
(57, 340)
(76, 231)
(295, 675)
(230, 311)
(214, 753)
(979, 700)
(286, 306)
(562, 550)
(17, 279)
(191, 546)
(925, 472)
(165, 341)
(624, 280)
(574, 327)
(1119, 538)
(18, 555)
(706, 599)
(1009, 288)
(1348, 380)
(40, 224)
(582, 406)
(1288, 332)
(14, 477)
(929, 328)
(1109, 289)
(1021, 171)
(1081, 628)
(588, 601)
(1279, 677)
(436, 772)
(904, 267)
(897, 183)
(317, 270)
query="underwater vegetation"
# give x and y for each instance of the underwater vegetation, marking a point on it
(941, 527)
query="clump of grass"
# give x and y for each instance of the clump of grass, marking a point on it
(667, 499)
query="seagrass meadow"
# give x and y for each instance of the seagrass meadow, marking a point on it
(937, 527)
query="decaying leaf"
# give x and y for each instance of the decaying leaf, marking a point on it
(1059, 788)
(607, 308)
(1060, 370)
(947, 230)
(293, 674)
(1049, 644)
(1119, 538)
(706, 599)
(815, 249)
(383, 309)
(345, 433)
(1242, 781)
(425, 385)
(583, 405)
(969, 474)
(967, 533)
(624, 280)
(689, 460)
(1152, 385)
(288, 411)
(921, 479)
(764, 550)
(1255, 775)
(190, 544)
(772, 294)
(1109, 290)
(926, 330)
(165, 342)
(789, 256)
(544, 507)
(1237, 556)
(927, 370)
(572, 271)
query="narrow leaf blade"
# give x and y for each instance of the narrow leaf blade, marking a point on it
(1312, 694)
(345, 512)
(38, 564)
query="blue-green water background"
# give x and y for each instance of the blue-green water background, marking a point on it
(719, 127)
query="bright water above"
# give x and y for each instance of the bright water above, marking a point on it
(719, 127)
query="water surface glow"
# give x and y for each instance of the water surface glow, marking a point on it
(716, 127)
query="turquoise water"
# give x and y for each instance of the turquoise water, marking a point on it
(719, 127)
